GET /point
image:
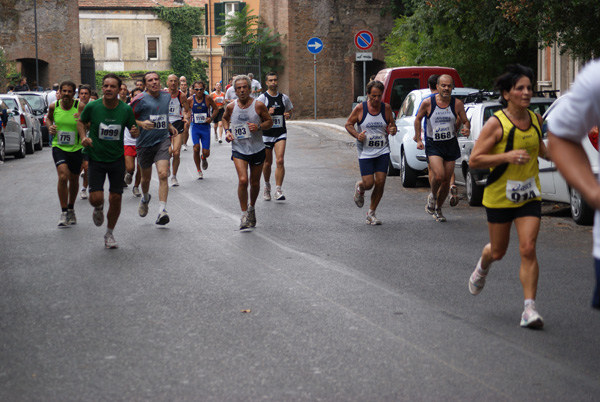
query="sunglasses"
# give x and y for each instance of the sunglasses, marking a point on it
(198, 89)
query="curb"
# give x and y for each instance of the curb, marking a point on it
(317, 123)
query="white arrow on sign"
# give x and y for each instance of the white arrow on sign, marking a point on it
(316, 45)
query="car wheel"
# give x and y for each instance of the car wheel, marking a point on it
(22, 151)
(407, 174)
(474, 191)
(392, 171)
(40, 144)
(29, 146)
(2, 149)
(582, 213)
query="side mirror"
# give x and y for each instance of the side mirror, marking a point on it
(16, 112)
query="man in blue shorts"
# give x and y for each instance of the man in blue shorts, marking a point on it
(375, 120)
(441, 145)
(200, 105)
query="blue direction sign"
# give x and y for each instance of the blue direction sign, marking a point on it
(314, 45)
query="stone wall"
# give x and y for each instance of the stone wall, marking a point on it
(335, 22)
(58, 38)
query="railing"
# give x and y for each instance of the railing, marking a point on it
(200, 42)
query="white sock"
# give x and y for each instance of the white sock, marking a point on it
(371, 212)
(100, 207)
(161, 206)
(267, 185)
(145, 197)
(279, 188)
(529, 302)
(108, 231)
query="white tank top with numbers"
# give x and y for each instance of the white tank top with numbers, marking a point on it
(376, 143)
(441, 121)
(246, 142)
(175, 108)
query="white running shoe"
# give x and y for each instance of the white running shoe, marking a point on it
(98, 215)
(252, 218)
(163, 218)
(372, 219)
(143, 208)
(200, 175)
(267, 194)
(64, 221)
(184, 147)
(174, 182)
(84, 194)
(109, 241)
(477, 280)
(454, 196)
(438, 215)
(204, 163)
(359, 196)
(244, 224)
(128, 178)
(430, 207)
(136, 192)
(71, 218)
(279, 195)
(531, 319)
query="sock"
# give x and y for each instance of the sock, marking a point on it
(250, 208)
(174, 176)
(481, 270)
(161, 206)
(70, 206)
(99, 207)
(108, 231)
(145, 197)
(371, 212)
(63, 209)
(279, 188)
(267, 185)
(83, 188)
(529, 302)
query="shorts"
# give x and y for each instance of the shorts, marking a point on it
(505, 215)
(98, 171)
(72, 159)
(448, 150)
(219, 115)
(201, 134)
(130, 151)
(371, 165)
(85, 157)
(254, 159)
(270, 141)
(157, 152)
(179, 125)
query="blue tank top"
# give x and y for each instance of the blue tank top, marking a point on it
(199, 111)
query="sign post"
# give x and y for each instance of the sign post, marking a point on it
(363, 40)
(314, 46)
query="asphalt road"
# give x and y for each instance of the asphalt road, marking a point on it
(312, 304)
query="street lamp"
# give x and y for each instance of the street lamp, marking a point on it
(37, 78)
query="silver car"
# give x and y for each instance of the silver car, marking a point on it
(12, 137)
(22, 113)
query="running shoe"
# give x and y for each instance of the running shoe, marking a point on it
(184, 147)
(438, 216)
(279, 195)
(244, 223)
(98, 216)
(267, 194)
(204, 163)
(128, 178)
(200, 175)
(143, 208)
(531, 319)
(136, 192)
(71, 218)
(174, 182)
(163, 218)
(372, 219)
(430, 207)
(252, 218)
(84, 194)
(359, 196)
(454, 196)
(63, 222)
(220, 141)
(109, 241)
(477, 280)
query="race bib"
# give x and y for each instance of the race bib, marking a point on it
(160, 121)
(66, 137)
(199, 118)
(518, 191)
(219, 99)
(375, 141)
(110, 132)
(442, 133)
(277, 121)
(241, 131)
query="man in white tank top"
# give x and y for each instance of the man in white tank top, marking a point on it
(374, 120)
(179, 111)
(244, 121)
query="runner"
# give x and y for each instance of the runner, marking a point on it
(106, 118)
(568, 124)
(130, 156)
(151, 110)
(183, 87)
(375, 120)
(200, 105)
(256, 87)
(179, 111)
(510, 144)
(441, 146)
(66, 149)
(219, 98)
(84, 97)
(280, 108)
(244, 120)
(139, 84)
(124, 94)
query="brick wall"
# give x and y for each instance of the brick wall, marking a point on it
(335, 22)
(58, 38)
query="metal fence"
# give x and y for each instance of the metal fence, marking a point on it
(88, 66)
(236, 61)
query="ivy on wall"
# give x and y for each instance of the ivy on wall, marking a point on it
(185, 22)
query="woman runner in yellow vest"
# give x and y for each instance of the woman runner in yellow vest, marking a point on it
(509, 144)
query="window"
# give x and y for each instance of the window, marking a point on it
(152, 48)
(220, 12)
(113, 49)
(400, 89)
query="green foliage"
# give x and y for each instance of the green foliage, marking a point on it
(8, 71)
(131, 75)
(185, 22)
(469, 35)
(246, 29)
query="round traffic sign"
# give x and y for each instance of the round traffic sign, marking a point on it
(363, 40)
(314, 45)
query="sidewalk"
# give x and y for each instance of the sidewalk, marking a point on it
(336, 124)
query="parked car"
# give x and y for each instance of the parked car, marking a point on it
(39, 105)
(405, 159)
(554, 186)
(12, 137)
(478, 112)
(21, 112)
(399, 81)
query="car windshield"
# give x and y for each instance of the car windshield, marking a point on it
(36, 102)
(11, 103)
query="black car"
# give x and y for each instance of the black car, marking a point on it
(39, 104)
